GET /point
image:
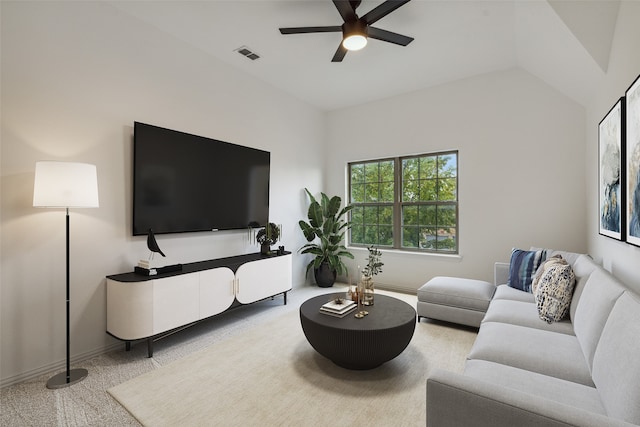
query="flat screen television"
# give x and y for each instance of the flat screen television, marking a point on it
(186, 183)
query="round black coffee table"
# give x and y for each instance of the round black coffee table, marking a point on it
(359, 343)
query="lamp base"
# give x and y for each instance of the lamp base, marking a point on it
(60, 380)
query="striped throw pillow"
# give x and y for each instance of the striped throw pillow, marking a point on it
(523, 266)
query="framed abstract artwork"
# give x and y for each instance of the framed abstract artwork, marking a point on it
(610, 172)
(632, 116)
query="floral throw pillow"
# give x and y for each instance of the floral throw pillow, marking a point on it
(554, 291)
(523, 266)
(546, 265)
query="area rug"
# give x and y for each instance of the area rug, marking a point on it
(271, 376)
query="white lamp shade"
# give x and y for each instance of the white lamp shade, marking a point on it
(65, 185)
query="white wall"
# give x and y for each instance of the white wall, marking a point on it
(75, 76)
(521, 167)
(622, 259)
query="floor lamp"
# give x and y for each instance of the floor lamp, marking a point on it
(66, 185)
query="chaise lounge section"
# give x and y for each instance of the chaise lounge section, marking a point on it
(451, 299)
(581, 371)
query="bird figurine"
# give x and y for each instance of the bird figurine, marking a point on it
(153, 245)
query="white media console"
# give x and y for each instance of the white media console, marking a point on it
(150, 307)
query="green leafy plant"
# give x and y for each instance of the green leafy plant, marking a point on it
(374, 265)
(268, 235)
(326, 223)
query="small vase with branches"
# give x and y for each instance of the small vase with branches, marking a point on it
(373, 267)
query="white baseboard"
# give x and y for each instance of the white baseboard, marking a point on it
(55, 366)
(396, 288)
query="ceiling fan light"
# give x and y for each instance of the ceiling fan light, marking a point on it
(354, 42)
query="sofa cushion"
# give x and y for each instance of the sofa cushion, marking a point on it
(554, 291)
(571, 257)
(549, 353)
(555, 389)
(509, 293)
(523, 314)
(583, 266)
(600, 293)
(616, 362)
(523, 266)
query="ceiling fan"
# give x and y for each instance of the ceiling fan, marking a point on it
(355, 30)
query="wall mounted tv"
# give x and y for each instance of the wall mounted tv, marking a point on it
(185, 183)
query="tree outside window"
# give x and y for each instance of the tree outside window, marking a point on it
(408, 203)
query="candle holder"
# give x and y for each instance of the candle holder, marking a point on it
(361, 313)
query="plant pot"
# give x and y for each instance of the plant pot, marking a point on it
(265, 249)
(325, 277)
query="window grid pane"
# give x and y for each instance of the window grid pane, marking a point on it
(372, 182)
(372, 225)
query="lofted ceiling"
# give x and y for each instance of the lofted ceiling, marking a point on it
(566, 43)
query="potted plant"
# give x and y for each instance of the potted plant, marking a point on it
(327, 224)
(268, 236)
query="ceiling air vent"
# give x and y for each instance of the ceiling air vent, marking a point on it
(245, 51)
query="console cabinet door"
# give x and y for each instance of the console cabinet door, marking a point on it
(216, 291)
(129, 309)
(175, 301)
(260, 279)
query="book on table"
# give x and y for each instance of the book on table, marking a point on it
(352, 307)
(338, 307)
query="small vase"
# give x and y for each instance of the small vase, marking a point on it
(368, 288)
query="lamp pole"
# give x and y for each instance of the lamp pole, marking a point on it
(69, 377)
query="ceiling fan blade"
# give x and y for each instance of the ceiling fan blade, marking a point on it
(340, 53)
(382, 10)
(388, 36)
(303, 30)
(346, 10)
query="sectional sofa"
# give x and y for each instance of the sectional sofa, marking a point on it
(523, 371)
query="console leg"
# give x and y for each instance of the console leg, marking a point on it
(150, 346)
(127, 346)
(285, 298)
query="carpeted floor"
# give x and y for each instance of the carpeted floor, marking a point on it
(251, 366)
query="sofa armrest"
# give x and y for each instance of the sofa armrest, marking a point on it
(455, 400)
(500, 273)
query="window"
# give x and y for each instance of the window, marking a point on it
(408, 203)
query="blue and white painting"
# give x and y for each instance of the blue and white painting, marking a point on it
(610, 172)
(632, 98)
